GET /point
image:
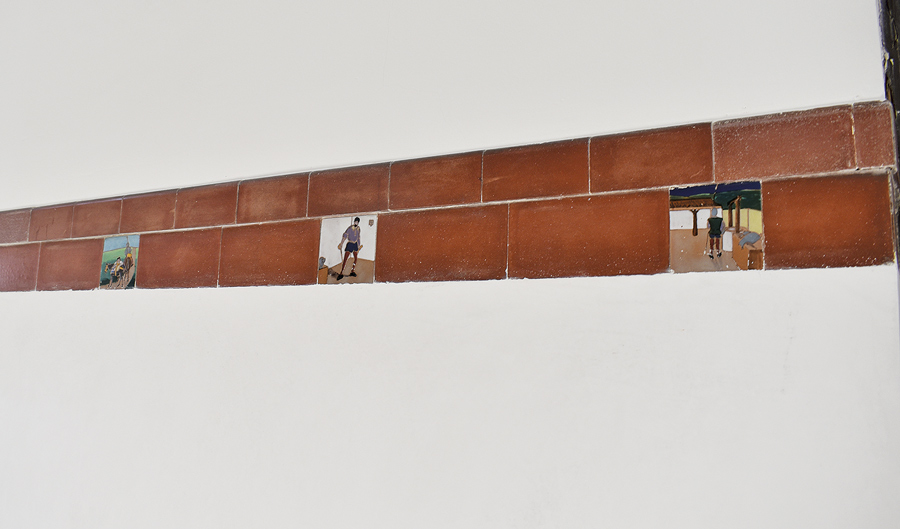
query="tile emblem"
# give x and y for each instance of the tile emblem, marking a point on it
(716, 227)
(347, 250)
(119, 268)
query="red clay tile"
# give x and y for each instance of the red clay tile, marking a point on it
(442, 245)
(96, 218)
(279, 198)
(590, 236)
(70, 265)
(827, 222)
(656, 158)
(199, 207)
(352, 190)
(874, 132)
(796, 143)
(14, 225)
(50, 223)
(150, 212)
(546, 170)
(439, 181)
(182, 259)
(19, 267)
(283, 253)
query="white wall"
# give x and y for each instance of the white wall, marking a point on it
(756, 399)
(767, 399)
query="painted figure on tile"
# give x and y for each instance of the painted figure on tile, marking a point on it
(116, 272)
(715, 233)
(339, 268)
(129, 255)
(354, 245)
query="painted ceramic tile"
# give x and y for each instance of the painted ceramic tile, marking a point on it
(347, 250)
(716, 227)
(120, 258)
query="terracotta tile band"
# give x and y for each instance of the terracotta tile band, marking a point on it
(580, 207)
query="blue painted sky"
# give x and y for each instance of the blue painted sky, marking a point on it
(713, 188)
(114, 243)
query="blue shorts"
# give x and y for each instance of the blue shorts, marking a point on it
(351, 247)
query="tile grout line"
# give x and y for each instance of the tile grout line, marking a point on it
(99, 265)
(374, 260)
(762, 221)
(390, 166)
(508, 211)
(121, 209)
(308, 184)
(237, 198)
(72, 223)
(37, 268)
(481, 180)
(28, 231)
(589, 164)
(175, 209)
(219, 262)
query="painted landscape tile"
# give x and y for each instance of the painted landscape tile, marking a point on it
(347, 250)
(120, 258)
(716, 227)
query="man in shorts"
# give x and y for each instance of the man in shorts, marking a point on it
(354, 245)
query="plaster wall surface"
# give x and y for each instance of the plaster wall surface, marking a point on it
(692, 400)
